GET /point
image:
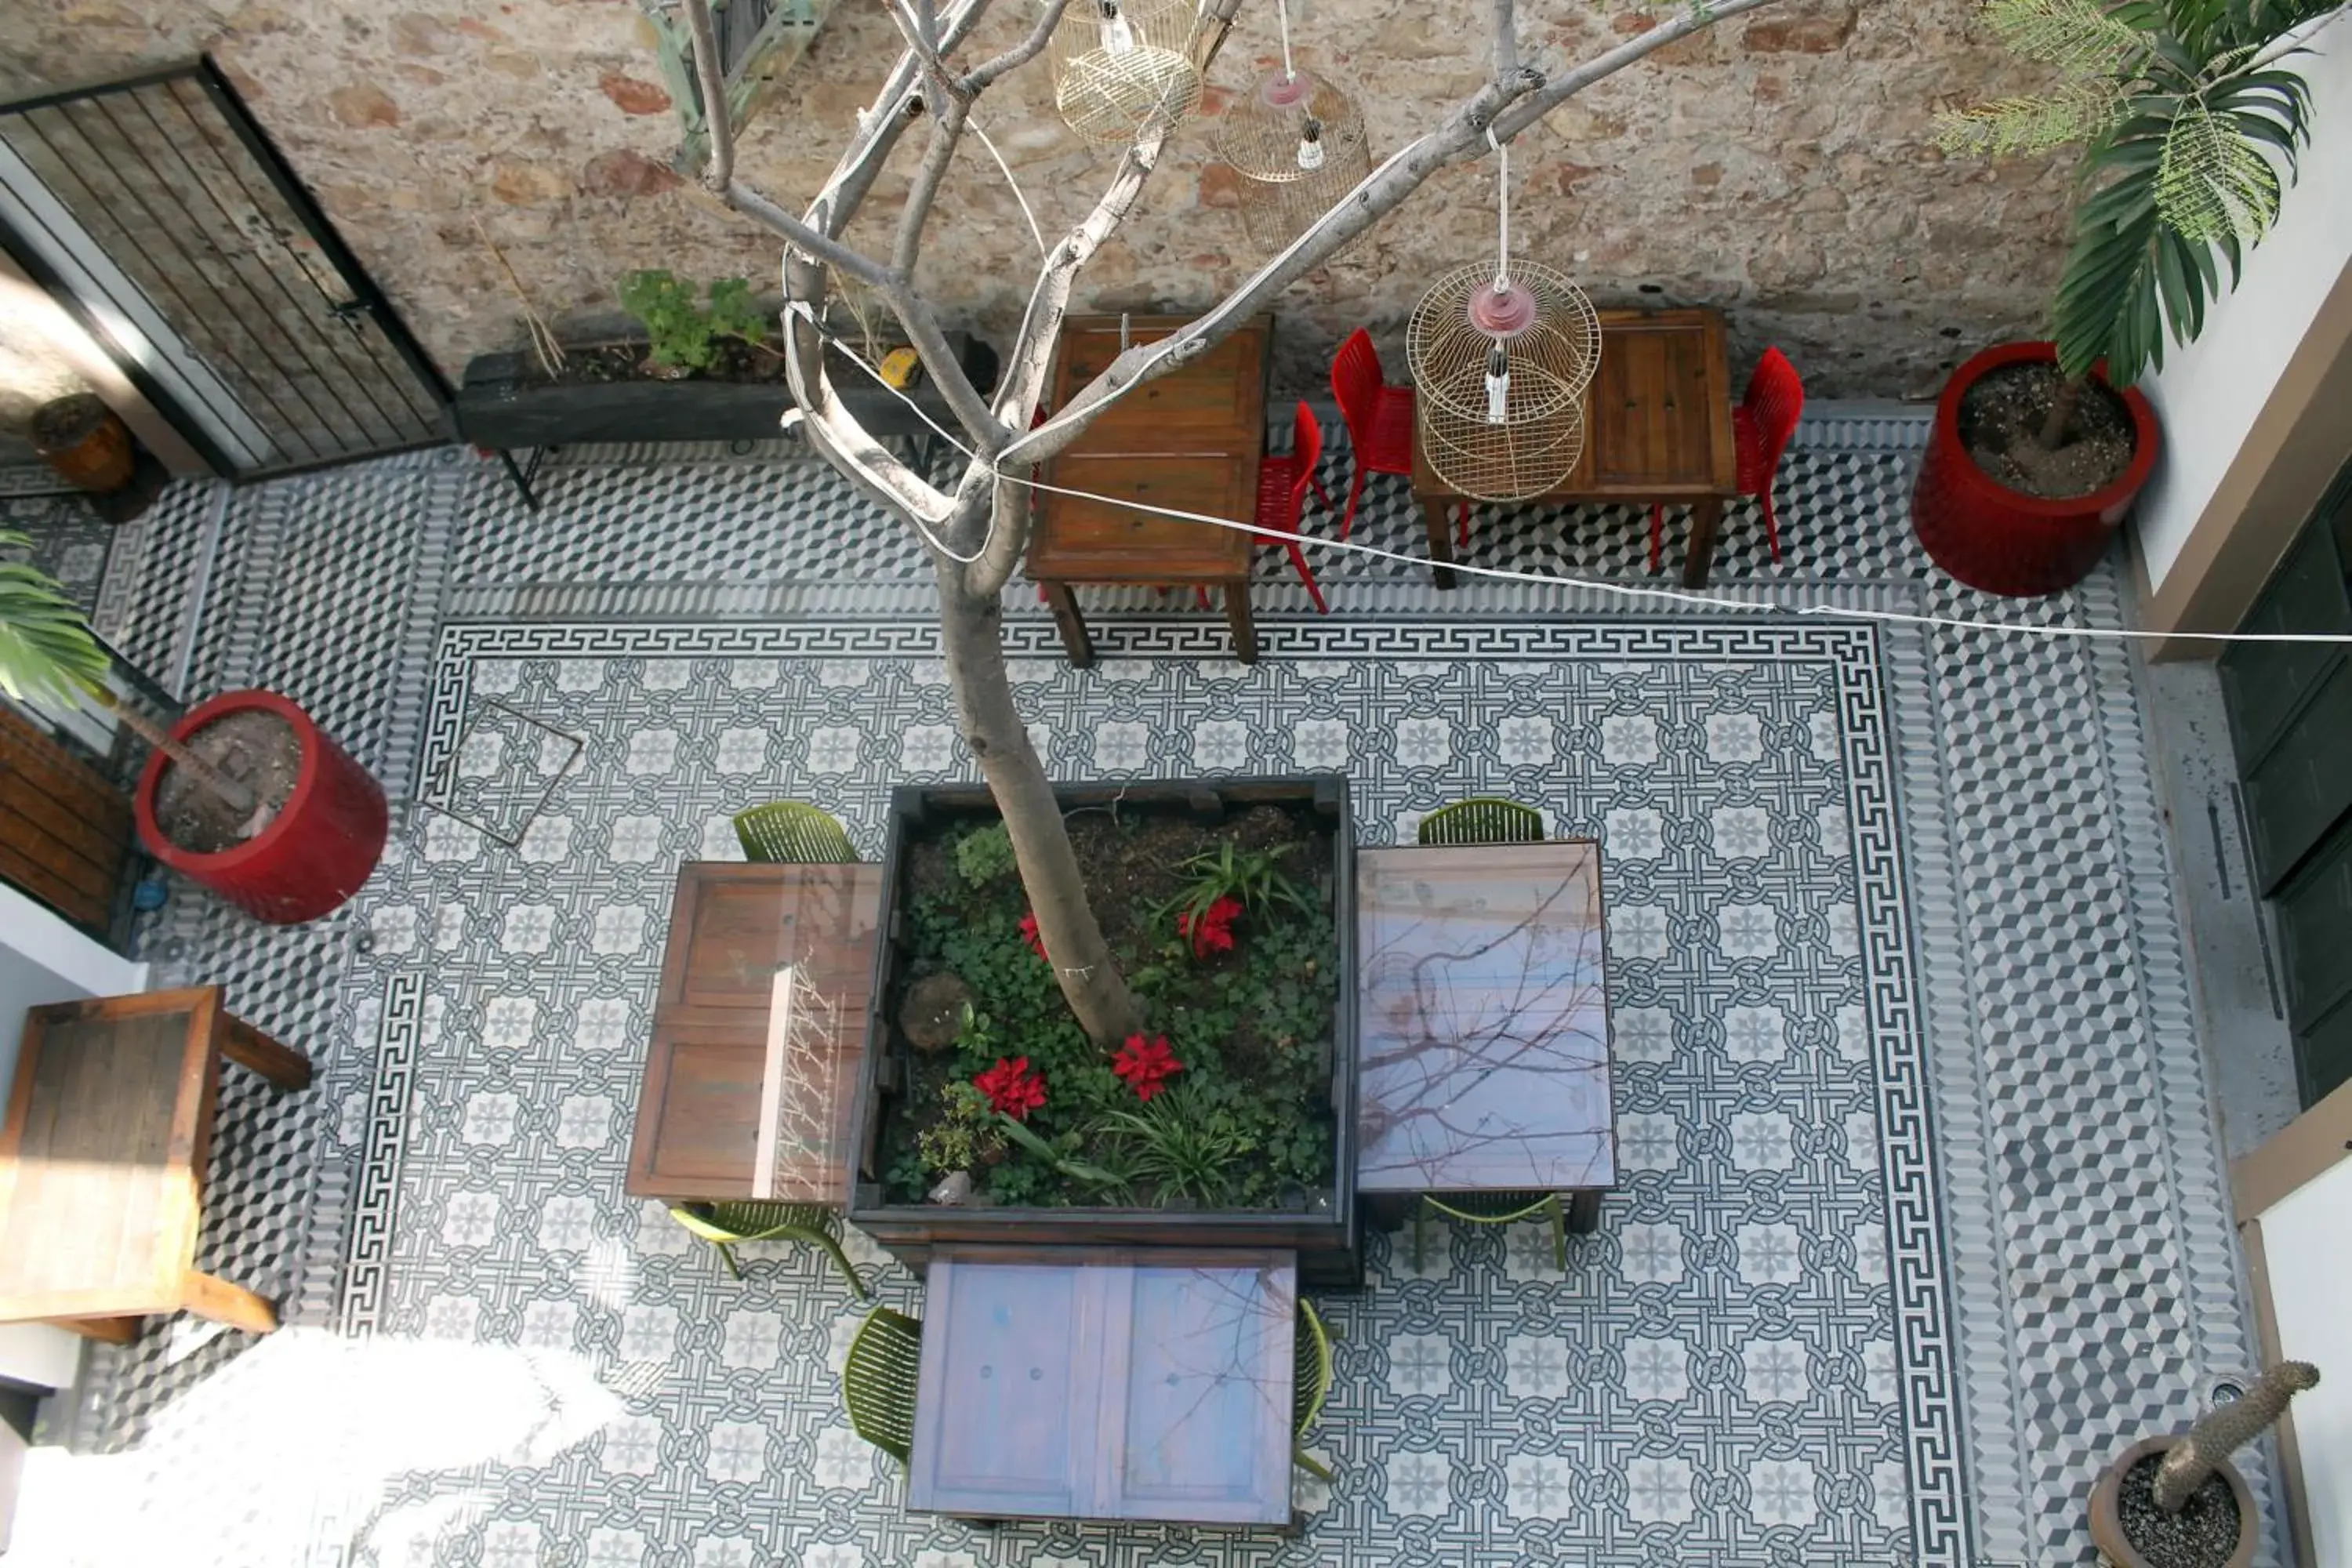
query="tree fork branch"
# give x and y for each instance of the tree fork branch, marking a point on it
(977, 79)
(717, 117)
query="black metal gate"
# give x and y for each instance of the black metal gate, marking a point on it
(158, 212)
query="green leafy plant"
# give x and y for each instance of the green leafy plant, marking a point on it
(683, 332)
(2181, 108)
(1252, 876)
(1060, 1156)
(966, 1135)
(46, 650)
(1182, 1145)
(984, 854)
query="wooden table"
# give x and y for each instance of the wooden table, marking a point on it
(1191, 440)
(759, 1027)
(1064, 1383)
(1658, 430)
(102, 1160)
(1483, 1024)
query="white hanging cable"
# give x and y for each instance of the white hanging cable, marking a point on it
(1502, 212)
(1282, 20)
(1628, 590)
(1034, 232)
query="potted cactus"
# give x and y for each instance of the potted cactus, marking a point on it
(245, 793)
(2177, 1503)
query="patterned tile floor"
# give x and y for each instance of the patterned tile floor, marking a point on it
(1922, 1210)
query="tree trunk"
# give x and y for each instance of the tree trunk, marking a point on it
(238, 797)
(2062, 413)
(992, 727)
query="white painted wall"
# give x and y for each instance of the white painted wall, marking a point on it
(2210, 391)
(44, 960)
(2307, 1242)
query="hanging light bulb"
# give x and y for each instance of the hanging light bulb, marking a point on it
(1117, 35)
(1311, 145)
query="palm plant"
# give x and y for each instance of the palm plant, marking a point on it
(48, 654)
(2185, 119)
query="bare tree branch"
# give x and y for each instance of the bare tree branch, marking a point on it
(977, 79)
(960, 22)
(815, 242)
(839, 437)
(1560, 89)
(718, 123)
(1508, 107)
(947, 131)
(1507, 40)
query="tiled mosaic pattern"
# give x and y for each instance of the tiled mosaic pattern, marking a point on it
(1749, 1361)
(2045, 946)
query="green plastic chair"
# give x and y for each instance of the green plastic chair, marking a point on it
(1483, 819)
(725, 1224)
(1497, 1208)
(793, 831)
(878, 1381)
(1311, 1385)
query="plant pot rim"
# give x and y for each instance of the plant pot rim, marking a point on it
(306, 781)
(2146, 434)
(2107, 1518)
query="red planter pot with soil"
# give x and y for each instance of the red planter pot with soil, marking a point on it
(313, 853)
(2004, 539)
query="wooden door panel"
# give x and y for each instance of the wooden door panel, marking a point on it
(2314, 924)
(2267, 683)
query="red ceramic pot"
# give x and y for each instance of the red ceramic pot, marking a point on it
(318, 850)
(2004, 540)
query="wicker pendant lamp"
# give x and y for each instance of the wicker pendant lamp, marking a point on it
(1501, 356)
(1123, 68)
(1298, 142)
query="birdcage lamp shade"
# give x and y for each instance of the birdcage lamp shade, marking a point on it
(1124, 68)
(1298, 142)
(1500, 366)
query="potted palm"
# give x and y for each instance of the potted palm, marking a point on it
(2186, 118)
(245, 793)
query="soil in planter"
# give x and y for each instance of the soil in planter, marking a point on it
(597, 364)
(2000, 420)
(253, 748)
(2202, 1535)
(1247, 1121)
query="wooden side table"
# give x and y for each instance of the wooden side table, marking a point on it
(102, 1160)
(1660, 431)
(736, 1105)
(1191, 441)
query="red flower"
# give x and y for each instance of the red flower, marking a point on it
(1029, 934)
(1213, 932)
(1146, 1064)
(1011, 1088)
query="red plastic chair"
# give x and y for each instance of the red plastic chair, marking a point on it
(1282, 481)
(1379, 420)
(1761, 428)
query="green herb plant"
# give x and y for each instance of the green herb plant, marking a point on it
(682, 333)
(984, 854)
(968, 1135)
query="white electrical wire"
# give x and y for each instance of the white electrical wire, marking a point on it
(1282, 20)
(1502, 212)
(1034, 232)
(1504, 574)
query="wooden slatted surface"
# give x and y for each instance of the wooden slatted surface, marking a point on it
(64, 830)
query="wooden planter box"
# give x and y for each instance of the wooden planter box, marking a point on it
(1324, 1234)
(64, 829)
(505, 403)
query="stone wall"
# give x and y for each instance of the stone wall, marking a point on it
(1779, 165)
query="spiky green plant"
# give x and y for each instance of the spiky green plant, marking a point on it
(46, 650)
(2185, 120)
